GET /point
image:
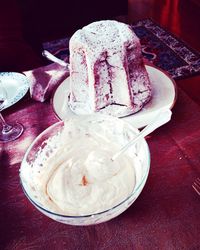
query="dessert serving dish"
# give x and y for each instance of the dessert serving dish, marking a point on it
(67, 174)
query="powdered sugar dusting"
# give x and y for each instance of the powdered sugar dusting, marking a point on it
(107, 69)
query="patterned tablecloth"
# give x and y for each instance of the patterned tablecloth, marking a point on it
(165, 216)
(159, 46)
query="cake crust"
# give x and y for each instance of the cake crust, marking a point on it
(107, 73)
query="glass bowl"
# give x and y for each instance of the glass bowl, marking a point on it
(49, 140)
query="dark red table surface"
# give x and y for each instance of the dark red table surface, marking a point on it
(165, 216)
(167, 213)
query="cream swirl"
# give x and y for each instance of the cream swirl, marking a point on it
(79, 178)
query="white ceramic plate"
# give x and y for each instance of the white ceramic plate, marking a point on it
(163, 96)
(16, 85)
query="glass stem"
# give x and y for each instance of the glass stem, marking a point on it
(6, 127)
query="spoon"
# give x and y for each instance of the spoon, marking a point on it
(53, 58)
(163, 117)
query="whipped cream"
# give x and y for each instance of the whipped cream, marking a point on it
(74, 174)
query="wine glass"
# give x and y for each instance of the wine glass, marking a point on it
(9, 132)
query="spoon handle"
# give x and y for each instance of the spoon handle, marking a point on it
(163, 117)
(53, 58)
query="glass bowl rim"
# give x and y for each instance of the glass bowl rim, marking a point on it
(93, 214)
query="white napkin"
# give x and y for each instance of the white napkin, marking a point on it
(44, 80)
